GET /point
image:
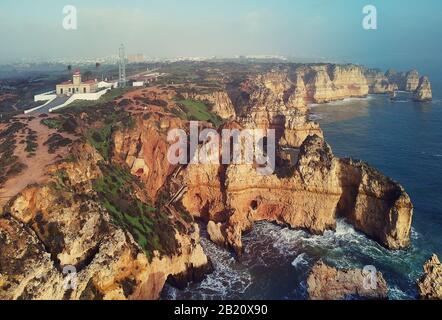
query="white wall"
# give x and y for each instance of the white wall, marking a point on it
(45, 96)
(138, 84)
(81, 96)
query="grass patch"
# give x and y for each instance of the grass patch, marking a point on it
(198, 111)
(9, 164)
(100, 140)
(51, 123)
(150, 227)
(56, 141)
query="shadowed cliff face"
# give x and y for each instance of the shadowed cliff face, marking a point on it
(143, 148)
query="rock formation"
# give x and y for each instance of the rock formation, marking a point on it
(411, 82)
(335, 82)
(65, 223)
(328, 283)
(430, 285)
(423, 92)
(309, 195)
(275, 101)
(378, 82)
(143, 148)
(120, 216)
(219, 101)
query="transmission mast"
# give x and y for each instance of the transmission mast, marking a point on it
(122, 67)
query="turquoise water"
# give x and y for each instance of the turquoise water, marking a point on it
(404, 140)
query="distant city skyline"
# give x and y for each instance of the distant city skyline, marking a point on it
(409, 32)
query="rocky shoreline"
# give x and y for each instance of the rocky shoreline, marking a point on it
(124, 217)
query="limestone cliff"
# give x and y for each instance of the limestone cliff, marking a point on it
(274, 100)
(328, 283)
(309, 195)
(430, 285)
(143, 148)
(411, 82)
(92, 216)
(327, 83)
(378, 82)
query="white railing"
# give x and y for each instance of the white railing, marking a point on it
(45, 96)
(38, 107)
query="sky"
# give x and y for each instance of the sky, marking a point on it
(409, 31)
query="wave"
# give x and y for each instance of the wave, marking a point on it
(314, 117)
(269, 247)
(343, 101)
(299, 261)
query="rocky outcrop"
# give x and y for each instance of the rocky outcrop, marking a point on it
(430, 285)
(276, 101)
(118, 269)
(327, 83)
(218, 100)
(143, 148)
(328, 283)
(65, 223)
(309, 195)
(423, 92)
(411, 82)
(378, 82)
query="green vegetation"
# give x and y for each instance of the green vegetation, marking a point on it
(150, 227)
(198, 111)
(100, 140)
(51, 123)
(31, 144)
(9, 164)
(56, 141)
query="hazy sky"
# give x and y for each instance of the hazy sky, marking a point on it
(408, 30)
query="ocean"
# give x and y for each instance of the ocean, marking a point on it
(402, 139)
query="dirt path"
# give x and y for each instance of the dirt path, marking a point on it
(35, 171)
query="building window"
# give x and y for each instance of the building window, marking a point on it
(77, 89)
(84, 90)
(61, 91)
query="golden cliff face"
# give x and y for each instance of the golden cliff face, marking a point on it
(309, 195)
(143, 148)
(276, 101)
(335, 82)
(429, 285)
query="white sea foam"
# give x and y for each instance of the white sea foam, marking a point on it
(300, 261)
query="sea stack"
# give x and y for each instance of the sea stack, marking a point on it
(423, 92)
(328, 283)
(430, 285)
